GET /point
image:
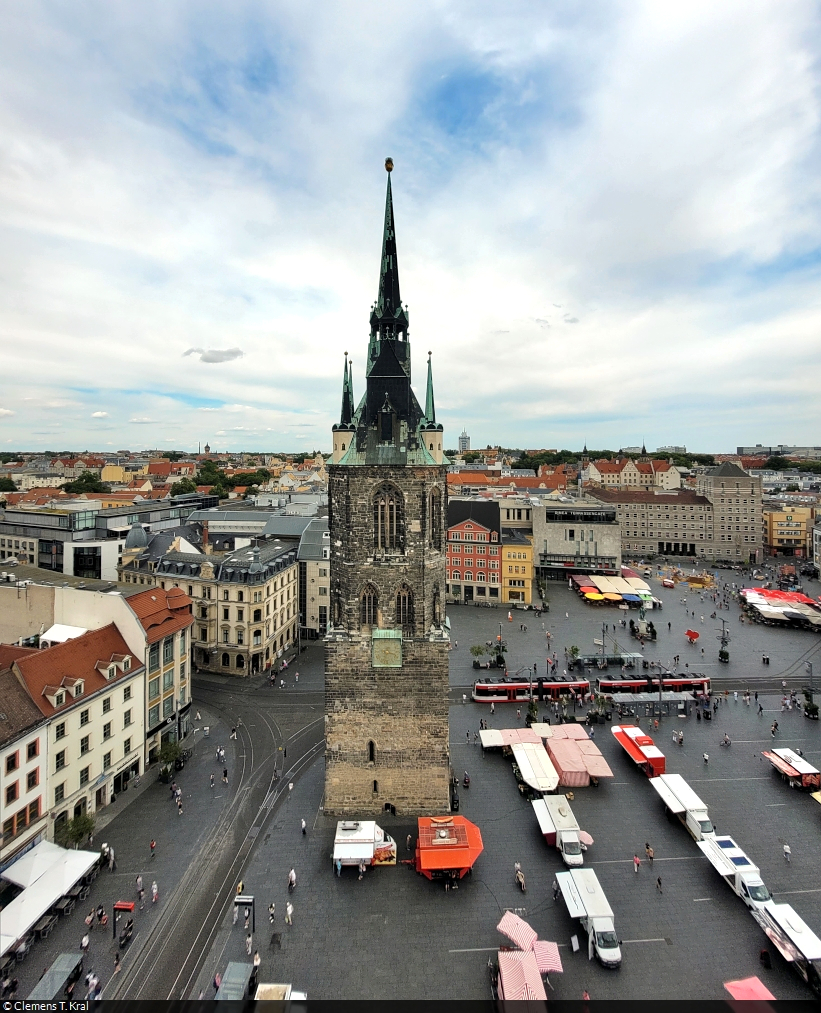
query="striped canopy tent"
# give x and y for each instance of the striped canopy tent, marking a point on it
(519, 976)
(517, 931)
(547, 956)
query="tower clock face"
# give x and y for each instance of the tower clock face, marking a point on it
(386, 653)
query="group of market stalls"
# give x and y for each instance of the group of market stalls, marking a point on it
(627, 591)
(549, 756)
(785, 608)
(46, 873)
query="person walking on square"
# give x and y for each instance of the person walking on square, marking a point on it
(249, 943)
(139, 885)
(649, 852)
(289, 910)
(636, 863)
(556, 890)
(212, 781)
(304, 828)
(154, 892)
(271, 912)
(787, 853)
(658, 884)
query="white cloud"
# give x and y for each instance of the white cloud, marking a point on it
(5, 412)
(654, 167)
(142, 422)
(216, 354)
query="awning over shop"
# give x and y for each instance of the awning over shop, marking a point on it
(33, 864)
(535, 766)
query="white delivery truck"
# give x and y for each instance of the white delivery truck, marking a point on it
(735, 867)
(794, 940)
(363, 841)
(586, 901)
(683, 802)
(559, 827)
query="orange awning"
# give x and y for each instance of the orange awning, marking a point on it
(447, 844)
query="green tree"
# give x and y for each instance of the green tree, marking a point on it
(74, 831)
(87, 482)
(776, 463)
(170, 751)
(478, 650)
(6, 485)
(185, 485)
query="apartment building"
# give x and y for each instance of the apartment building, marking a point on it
(736, 499)
(90, 690)
(23, 770)
(474, 551)
(582, 536)
(313, 557)
(517, 566)
(626, 473)
(246, 607)
(787, 531)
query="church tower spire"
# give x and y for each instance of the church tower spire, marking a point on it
(389, 320)
(430, 408)
(346, 415)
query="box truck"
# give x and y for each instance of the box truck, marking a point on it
(559, 827)
(682, 801)
(586, 901)
(736, 869)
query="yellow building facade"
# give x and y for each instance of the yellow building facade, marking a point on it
(788, 532)
(517, 567)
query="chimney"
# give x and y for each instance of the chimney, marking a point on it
(206, 548)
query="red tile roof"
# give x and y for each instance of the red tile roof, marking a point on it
(162, 612)
(64, 664)
(11, 652)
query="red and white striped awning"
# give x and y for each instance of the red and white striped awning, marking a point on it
(519, 976)
(517, 930)
(547, 956)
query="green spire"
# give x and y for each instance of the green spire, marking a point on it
(430, 408)
(346, 416)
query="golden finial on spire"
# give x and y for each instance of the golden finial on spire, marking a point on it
(389, 164)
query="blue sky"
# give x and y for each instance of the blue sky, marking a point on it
(608, 219)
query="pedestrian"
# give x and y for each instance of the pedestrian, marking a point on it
(772, 730)
(735, 695)
(249, 943)
(217, 982)
(585, 995)
(492, 707)
(141, 895)
(139, 884)
(247, 924)
(155, 893)
(235, 919)
(361, 869)
(85, 942)
(292, 880)
(117, 967)
(179, 807)
(112, 865)
(153, 847)
(408, 840)
(89, 920)
(234, 732)
(756, 696)
(760, 710)
(296, 677)
(649, 852)
(240, 887)
(555, 888)
(658, 884)
(257, 961)
(225, 775)
(787, 853)
(272, 909)
(467, 737)
(212, 781)
(304, 828)
(289, 910)
(636, 863)
(339, 868)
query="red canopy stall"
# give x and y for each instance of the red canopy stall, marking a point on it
(447, 846)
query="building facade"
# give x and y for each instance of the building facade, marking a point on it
(517, 567)
(464, 442)
(314, 556)
(474, 565)
(788, 531)
(736, 499)
(627, 473)
(386, 660)
(579, 537)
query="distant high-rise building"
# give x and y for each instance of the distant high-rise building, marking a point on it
(464, 442)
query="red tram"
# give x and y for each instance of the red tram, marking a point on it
(670, 684)
(517, 690)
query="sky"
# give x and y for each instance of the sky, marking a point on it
(608, 219)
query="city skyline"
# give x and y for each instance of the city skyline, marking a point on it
(608, 222)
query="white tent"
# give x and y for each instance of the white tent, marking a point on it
(27, 909)
(33, 864)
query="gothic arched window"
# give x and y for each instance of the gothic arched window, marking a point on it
(404, 606)
(388, 519)
(435, 518)
(368, 603)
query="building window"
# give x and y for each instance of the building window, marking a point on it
(182, 642)
(203, 633)
(84, 776)
(106, 761)
(153, 657)
(240, 615)
(127, 718)
(168, 650)
(59, 793)
(240, 637)
(435, 515)
(240, 596)
(126, 747)
(226, 615)
(33, 749)
(388, 519)
(83, 718)
(168, 706)
(85, 744)
(60, 760)
(106, 705)
(404, 606)
(226, 661)
(60, 731)
(182, 671)
(11, 793)
(257, 615)
(226, 636)
(32, 779)
(225, 596)
(12, 762)
(167, 680)
(368, 606)
(153, 715)
(127, 693)
(371, 752)
(240, 661)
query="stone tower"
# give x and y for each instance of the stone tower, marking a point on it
(386, 660)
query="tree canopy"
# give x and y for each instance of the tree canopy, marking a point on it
(87, 482)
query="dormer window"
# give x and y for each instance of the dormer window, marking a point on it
(59, 699)
(126, 664)
(78, 689)
(112, 670)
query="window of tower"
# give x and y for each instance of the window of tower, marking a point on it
(388, 519)
(435, 518)
(371, 752)
(404, 606)
(368, 602)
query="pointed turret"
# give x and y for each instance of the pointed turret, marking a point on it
(430, 408)
(346, 415)
(389, 319)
